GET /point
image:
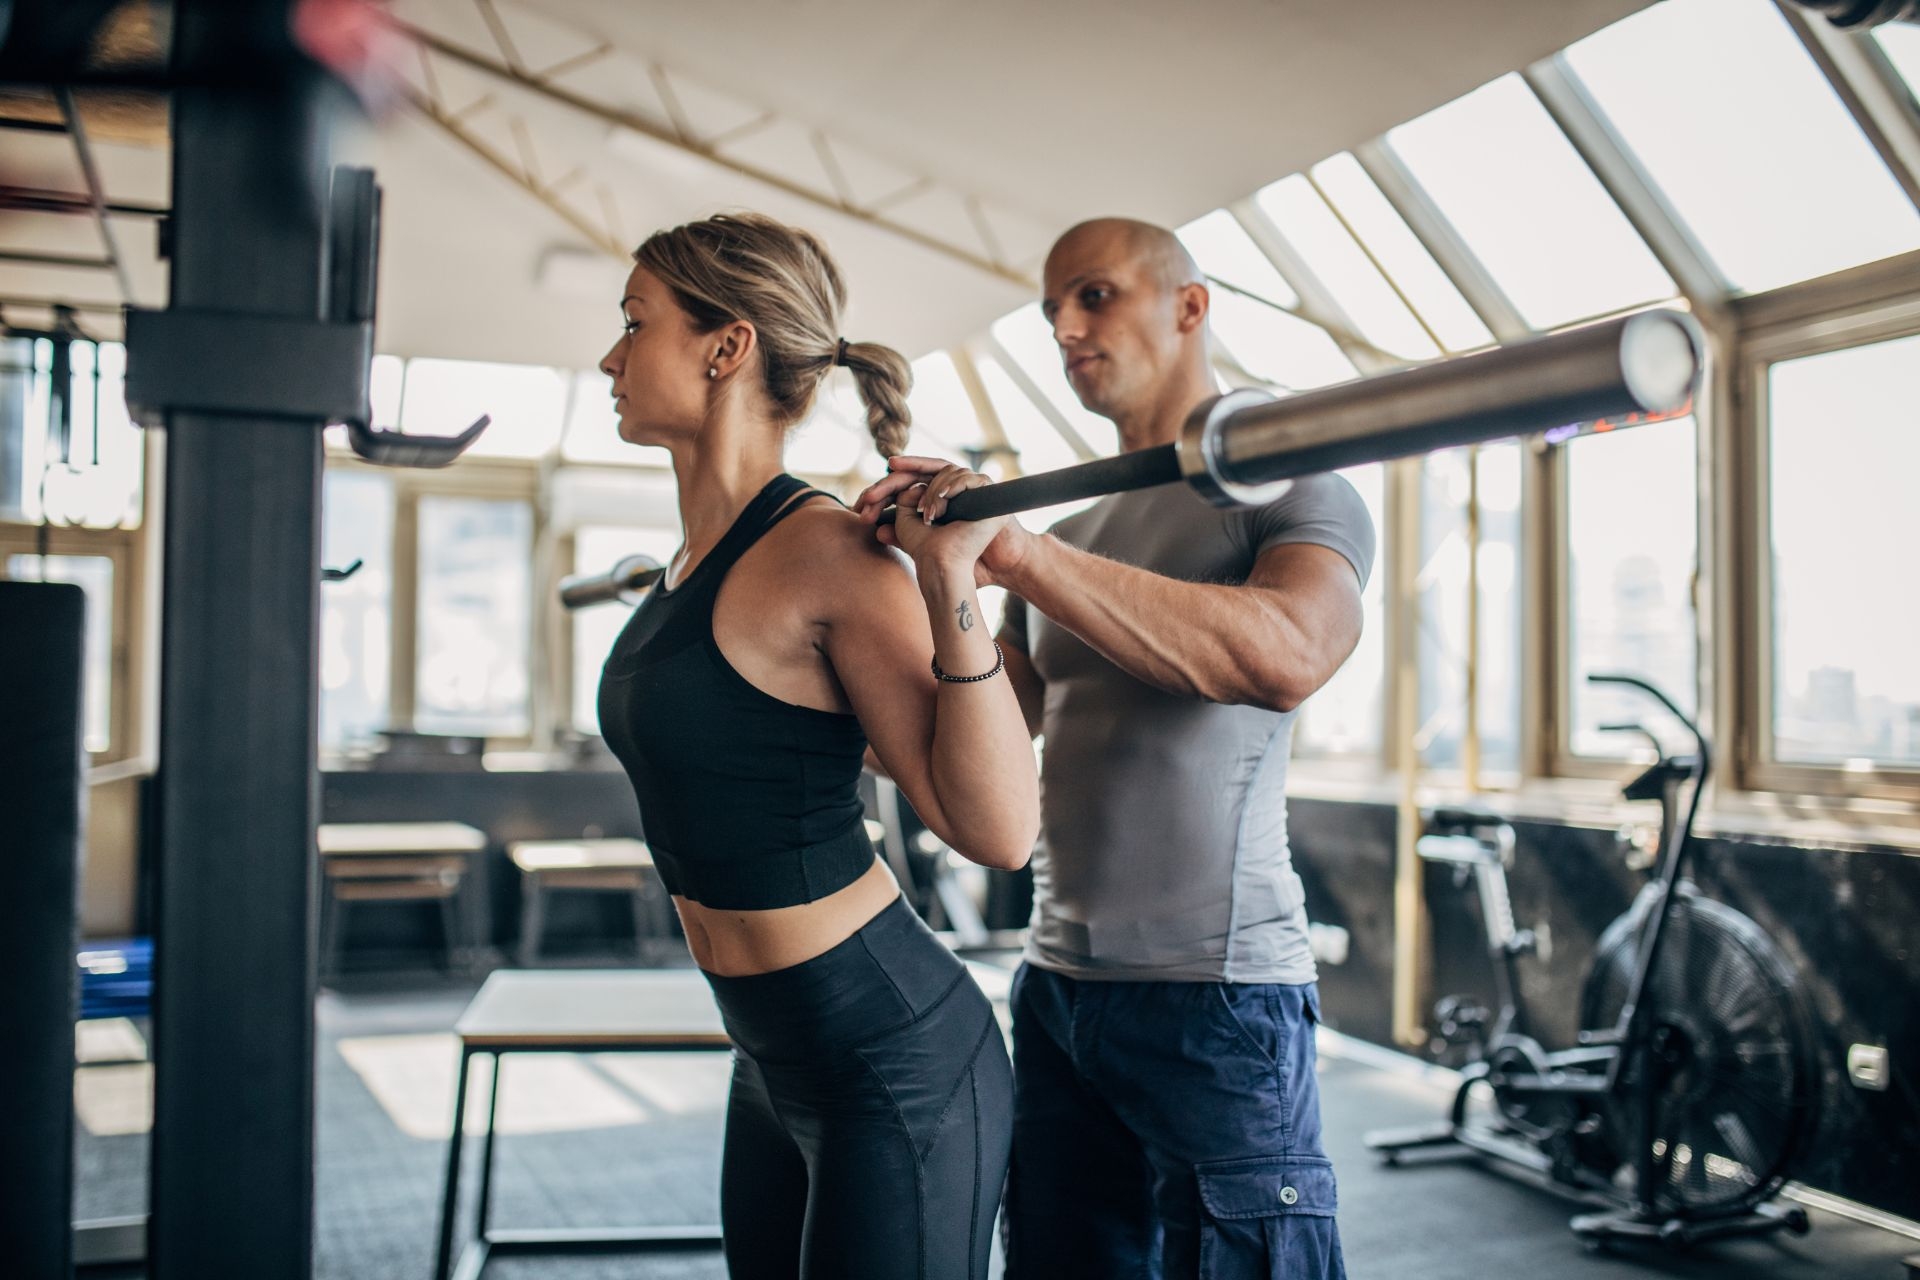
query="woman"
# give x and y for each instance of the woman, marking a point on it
(869, 1119)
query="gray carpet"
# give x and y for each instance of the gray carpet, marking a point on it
(624, 1140)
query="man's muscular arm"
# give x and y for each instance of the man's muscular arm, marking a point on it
(1270, 642)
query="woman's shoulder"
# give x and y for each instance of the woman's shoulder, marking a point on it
(829, 541)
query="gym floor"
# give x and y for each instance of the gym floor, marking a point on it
(589, 1141)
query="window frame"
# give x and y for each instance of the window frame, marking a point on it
(1855, 308)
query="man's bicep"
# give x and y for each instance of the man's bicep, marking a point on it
(1318, 591)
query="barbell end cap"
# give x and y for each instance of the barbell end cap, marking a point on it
(1203, 457)
(1662, 357)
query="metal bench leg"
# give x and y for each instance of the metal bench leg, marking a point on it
(450, 1200)
(450, 926)
(532, 919)
(486, 1148)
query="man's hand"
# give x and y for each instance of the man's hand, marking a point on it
(922, 488)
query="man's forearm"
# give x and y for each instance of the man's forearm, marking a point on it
(1224, 643)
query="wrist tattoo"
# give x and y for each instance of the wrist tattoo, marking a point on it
(966, 615)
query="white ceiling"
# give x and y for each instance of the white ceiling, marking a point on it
(1042, 111)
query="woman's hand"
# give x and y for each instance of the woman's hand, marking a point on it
(922, 489)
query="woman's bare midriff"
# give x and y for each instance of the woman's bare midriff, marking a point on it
(738, 944)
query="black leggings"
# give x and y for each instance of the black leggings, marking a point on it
(871, 1113)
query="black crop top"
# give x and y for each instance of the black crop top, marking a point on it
(748, 802)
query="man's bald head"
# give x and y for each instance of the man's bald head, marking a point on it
(1128, 307)
(1154, 248)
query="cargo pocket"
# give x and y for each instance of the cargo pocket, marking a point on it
(1268, 1218)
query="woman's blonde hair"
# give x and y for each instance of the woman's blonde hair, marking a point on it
(780, 279)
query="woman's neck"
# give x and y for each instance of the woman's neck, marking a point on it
(718, 473)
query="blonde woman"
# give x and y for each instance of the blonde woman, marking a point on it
(869, 1119)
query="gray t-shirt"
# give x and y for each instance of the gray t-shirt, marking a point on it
(1163, 851)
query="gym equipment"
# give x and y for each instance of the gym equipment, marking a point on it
(1244, 447)
(1861, 14)
(43, 770)
(628, 581)
(1693, 1089)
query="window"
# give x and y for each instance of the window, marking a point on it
(528, 404)
(1028, 338)
(1632, 545)
(1345, 718)
(1842, 454)
(1386, 235)
(1226, 252)
(1276, 346)
(1442, 641)
(944, 422)
(597, 549)
(94, 576)
(1736, 124)
(1528, 207)
(1901, 43)
(474, 620)
(1041, 448)
(1338, 261)
(834, 439)
(100, 484)
(356, 614)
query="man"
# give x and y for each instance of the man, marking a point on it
(1166, 1113)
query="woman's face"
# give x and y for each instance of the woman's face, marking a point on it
(659, 365)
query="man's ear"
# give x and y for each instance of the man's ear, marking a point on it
(1191, 306)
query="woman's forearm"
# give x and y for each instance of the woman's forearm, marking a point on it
(982, 769)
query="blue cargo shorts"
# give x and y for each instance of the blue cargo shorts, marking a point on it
(1167, 1131)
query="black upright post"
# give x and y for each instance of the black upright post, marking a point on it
(232, 1154)
(42, 807)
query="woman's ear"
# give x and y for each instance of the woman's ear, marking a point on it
(734, 344)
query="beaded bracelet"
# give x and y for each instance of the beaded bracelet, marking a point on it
(998, 667)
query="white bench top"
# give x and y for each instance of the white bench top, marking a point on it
(585, 1009)
(579, 855)
(375, 839)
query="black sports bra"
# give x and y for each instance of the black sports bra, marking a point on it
(748, 802)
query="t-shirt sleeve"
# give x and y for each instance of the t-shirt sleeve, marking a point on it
(1325, 510)
(1013, 623)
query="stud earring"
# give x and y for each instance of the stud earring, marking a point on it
(712, 371)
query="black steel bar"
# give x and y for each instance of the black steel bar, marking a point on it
(43, 795)
(40, 200)
(450, 1194)
(96, 192)
(31, 258)
(1645, 364)
(32, 126)
(232, 1146)
(486, 1141)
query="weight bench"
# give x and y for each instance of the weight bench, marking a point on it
(577, 1011)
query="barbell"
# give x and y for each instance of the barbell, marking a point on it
(1245, 447)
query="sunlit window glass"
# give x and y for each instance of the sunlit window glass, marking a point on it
(1901, 43)
(1277, 347)
(94, 576)
(1344, 717)
(474, 616)
(593, 429)
(1843, 457)
(356, 620)
(1028, 338)
(945, 424)
(99, 482)
(1040, 447)
(596, 550)
(526, 402)
(1226, 252)
(835, 438)
(1528, 206)
(1338, 262)
(1441, 582)
(1632, 540)
(1400, 252)
(1741, 131)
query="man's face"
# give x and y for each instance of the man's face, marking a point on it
(1116, 319)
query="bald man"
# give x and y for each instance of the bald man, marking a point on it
(1166, 1114)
